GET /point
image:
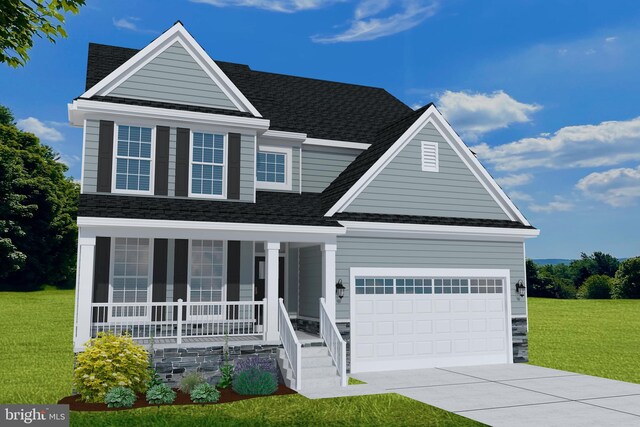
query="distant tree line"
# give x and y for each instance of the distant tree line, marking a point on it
(38, 209)
(595, 276)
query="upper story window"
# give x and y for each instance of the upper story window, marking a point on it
(133, 157)
(207, 164)
(273, 168)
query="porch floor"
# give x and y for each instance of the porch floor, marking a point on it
(305, 338)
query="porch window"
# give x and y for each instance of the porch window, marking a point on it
(206, 274)
(130, 275)
(133, 159)
(207, 164)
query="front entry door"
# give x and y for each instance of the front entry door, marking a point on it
(260, 269)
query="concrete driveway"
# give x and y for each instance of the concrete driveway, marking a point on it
(517, 395)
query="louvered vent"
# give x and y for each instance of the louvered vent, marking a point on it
(429, 156)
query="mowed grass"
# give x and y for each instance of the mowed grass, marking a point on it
(594, 337)
(36, 366)
(36, 348)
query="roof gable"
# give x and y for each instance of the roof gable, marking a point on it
(353, 181)
(178, 44)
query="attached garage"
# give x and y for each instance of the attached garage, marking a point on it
(408, 318)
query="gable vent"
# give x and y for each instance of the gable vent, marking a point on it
(429, 156)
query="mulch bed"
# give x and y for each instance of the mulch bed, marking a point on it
(226, 396)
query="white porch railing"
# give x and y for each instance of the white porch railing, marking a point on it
(292, 346)
(179, 319)
(337, 346)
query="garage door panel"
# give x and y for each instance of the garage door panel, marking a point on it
(393, 331)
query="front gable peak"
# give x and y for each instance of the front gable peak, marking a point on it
(173, 68)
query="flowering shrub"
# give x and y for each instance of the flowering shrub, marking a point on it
(110, 361)
(262, 363)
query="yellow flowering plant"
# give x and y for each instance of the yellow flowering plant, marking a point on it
(109, 361)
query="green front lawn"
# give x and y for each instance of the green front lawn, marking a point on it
(594, 337)
(36, 362)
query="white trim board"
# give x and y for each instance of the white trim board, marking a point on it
(177, 33)
(433, 116)
(430, 231)
(81, 109)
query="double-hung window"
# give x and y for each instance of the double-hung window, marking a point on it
(207, 261)
(133, 157)
(273, 168)
(130, 281)
(207, 165)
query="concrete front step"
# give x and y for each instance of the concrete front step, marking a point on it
(318, 372)
(314, 351)
(315, 362)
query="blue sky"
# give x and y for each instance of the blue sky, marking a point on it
(546, 92)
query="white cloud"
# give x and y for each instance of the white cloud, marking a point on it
(611, 39)
(605, 144)
(474, 114)
(616, 187)
(69, 159)
(39, 129)
(519, 195)
(286, 6)
(557, 205)
(369, 25)
(514, 180)
(368, 8)
(130, 23)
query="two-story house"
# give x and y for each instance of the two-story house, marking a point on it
(222, 201)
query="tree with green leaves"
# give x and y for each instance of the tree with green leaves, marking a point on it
(598, 263)
(21, 20)
(38, 233)
(627, 280)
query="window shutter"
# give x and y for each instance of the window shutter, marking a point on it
(105, 156)
(182, 162)
(162, 161)
(430, 161)
(233, 169)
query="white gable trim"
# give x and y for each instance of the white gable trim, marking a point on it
(179, 34)
(433, 116)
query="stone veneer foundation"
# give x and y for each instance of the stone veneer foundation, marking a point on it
(520, 340)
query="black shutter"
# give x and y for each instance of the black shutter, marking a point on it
(233, 171)
(182, 162)
(233, 270)
(159, 283)
(105, 156)
(180, 271)
(161, 187)
(101, 268)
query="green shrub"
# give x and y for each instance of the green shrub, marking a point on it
(189, 382)
(596, 287)
(205, 393)
(120, 397)
(160, 394)
(109, 361)
(154, 378)
(255, 381)
(564, 289)
(226, 379)
(627, 280)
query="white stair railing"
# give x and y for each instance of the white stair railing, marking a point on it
(337, 346)
(289, 339)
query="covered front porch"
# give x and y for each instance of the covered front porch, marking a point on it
(187, 284)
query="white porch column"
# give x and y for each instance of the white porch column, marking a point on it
(271, 252)
(84, 291)
(329, 278)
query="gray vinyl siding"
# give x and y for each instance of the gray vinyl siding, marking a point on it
(246, 271)
(295, 170)
(172, 163)
(414, 253)
(174, 76)
(310, 289)
(321, 166)
(403, 188)
(247, 172)
(90, 178)
(291, 298)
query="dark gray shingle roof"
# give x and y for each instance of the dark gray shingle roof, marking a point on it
(319, 108)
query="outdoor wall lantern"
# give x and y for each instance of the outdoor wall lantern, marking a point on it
(520, 288)
(340, 289)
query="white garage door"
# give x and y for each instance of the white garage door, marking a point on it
(423, 318)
